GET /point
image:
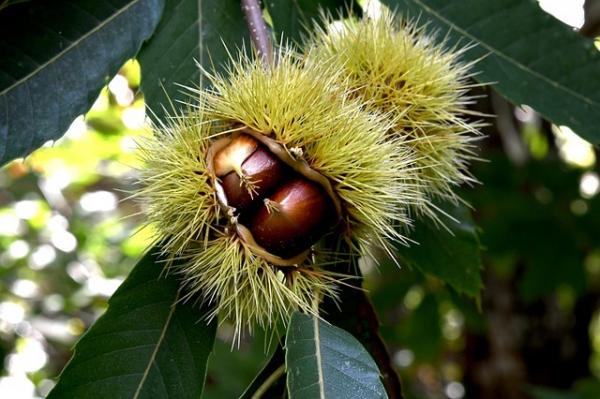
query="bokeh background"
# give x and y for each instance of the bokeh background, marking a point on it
(69, 235)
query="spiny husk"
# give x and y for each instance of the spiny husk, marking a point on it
(246, 290)
(199, 243)
(175, 188)
(394, 66)
(303, 107)
(303, 111)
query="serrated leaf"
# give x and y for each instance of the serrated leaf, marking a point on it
(533, 58)
(54, 59)
(190, 31)
(323, 361)
(147, 344)
(291, 18)
(453, 257)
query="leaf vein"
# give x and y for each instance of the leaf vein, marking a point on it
(505, 57)
(158, 345)
(318, 356)
(70, 47)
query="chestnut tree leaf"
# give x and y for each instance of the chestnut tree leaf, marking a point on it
(292, 18)
(323, 361)
(189, 32)
(55, 56)
(355, 314)
(453, 256)
(148, 344)
(531, 57)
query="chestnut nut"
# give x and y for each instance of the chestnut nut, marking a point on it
(285, 212)
(292, 219)
(261, 172)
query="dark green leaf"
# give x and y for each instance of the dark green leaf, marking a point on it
(324, 361)
(290, 18)
(146, 345)
(533, 58)
(54, 59)
(190, 31)
(355, 314)
(454, 258)
(588, 388)
(545, 273)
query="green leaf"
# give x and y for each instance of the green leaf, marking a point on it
(189, 32)
(54, 59)
(324, 361)
(290, 18)
(533, 58)
(148, 344)
(353, 312)
(453, 257)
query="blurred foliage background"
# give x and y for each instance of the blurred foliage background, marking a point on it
(69, 235)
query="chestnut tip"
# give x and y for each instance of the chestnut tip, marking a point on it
(232, 156)
(262, 172)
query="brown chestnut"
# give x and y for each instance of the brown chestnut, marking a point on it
(293, 218)
(262, 171)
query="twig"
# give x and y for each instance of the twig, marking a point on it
(509, 133)
(270, 381)
(355, 314)
(260, 392)
(591, 26)
(258, 30)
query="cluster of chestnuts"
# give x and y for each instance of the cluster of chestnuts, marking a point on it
(280, 206)
(351, 140)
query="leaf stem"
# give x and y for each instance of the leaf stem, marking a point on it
(258, 30)
(278, 372)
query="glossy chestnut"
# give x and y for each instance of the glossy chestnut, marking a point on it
(293, 218)
(262, 172)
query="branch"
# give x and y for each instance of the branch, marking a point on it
(514, 147)
(268, 383)
(591, 27)
(356, 315)
(258, 30)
